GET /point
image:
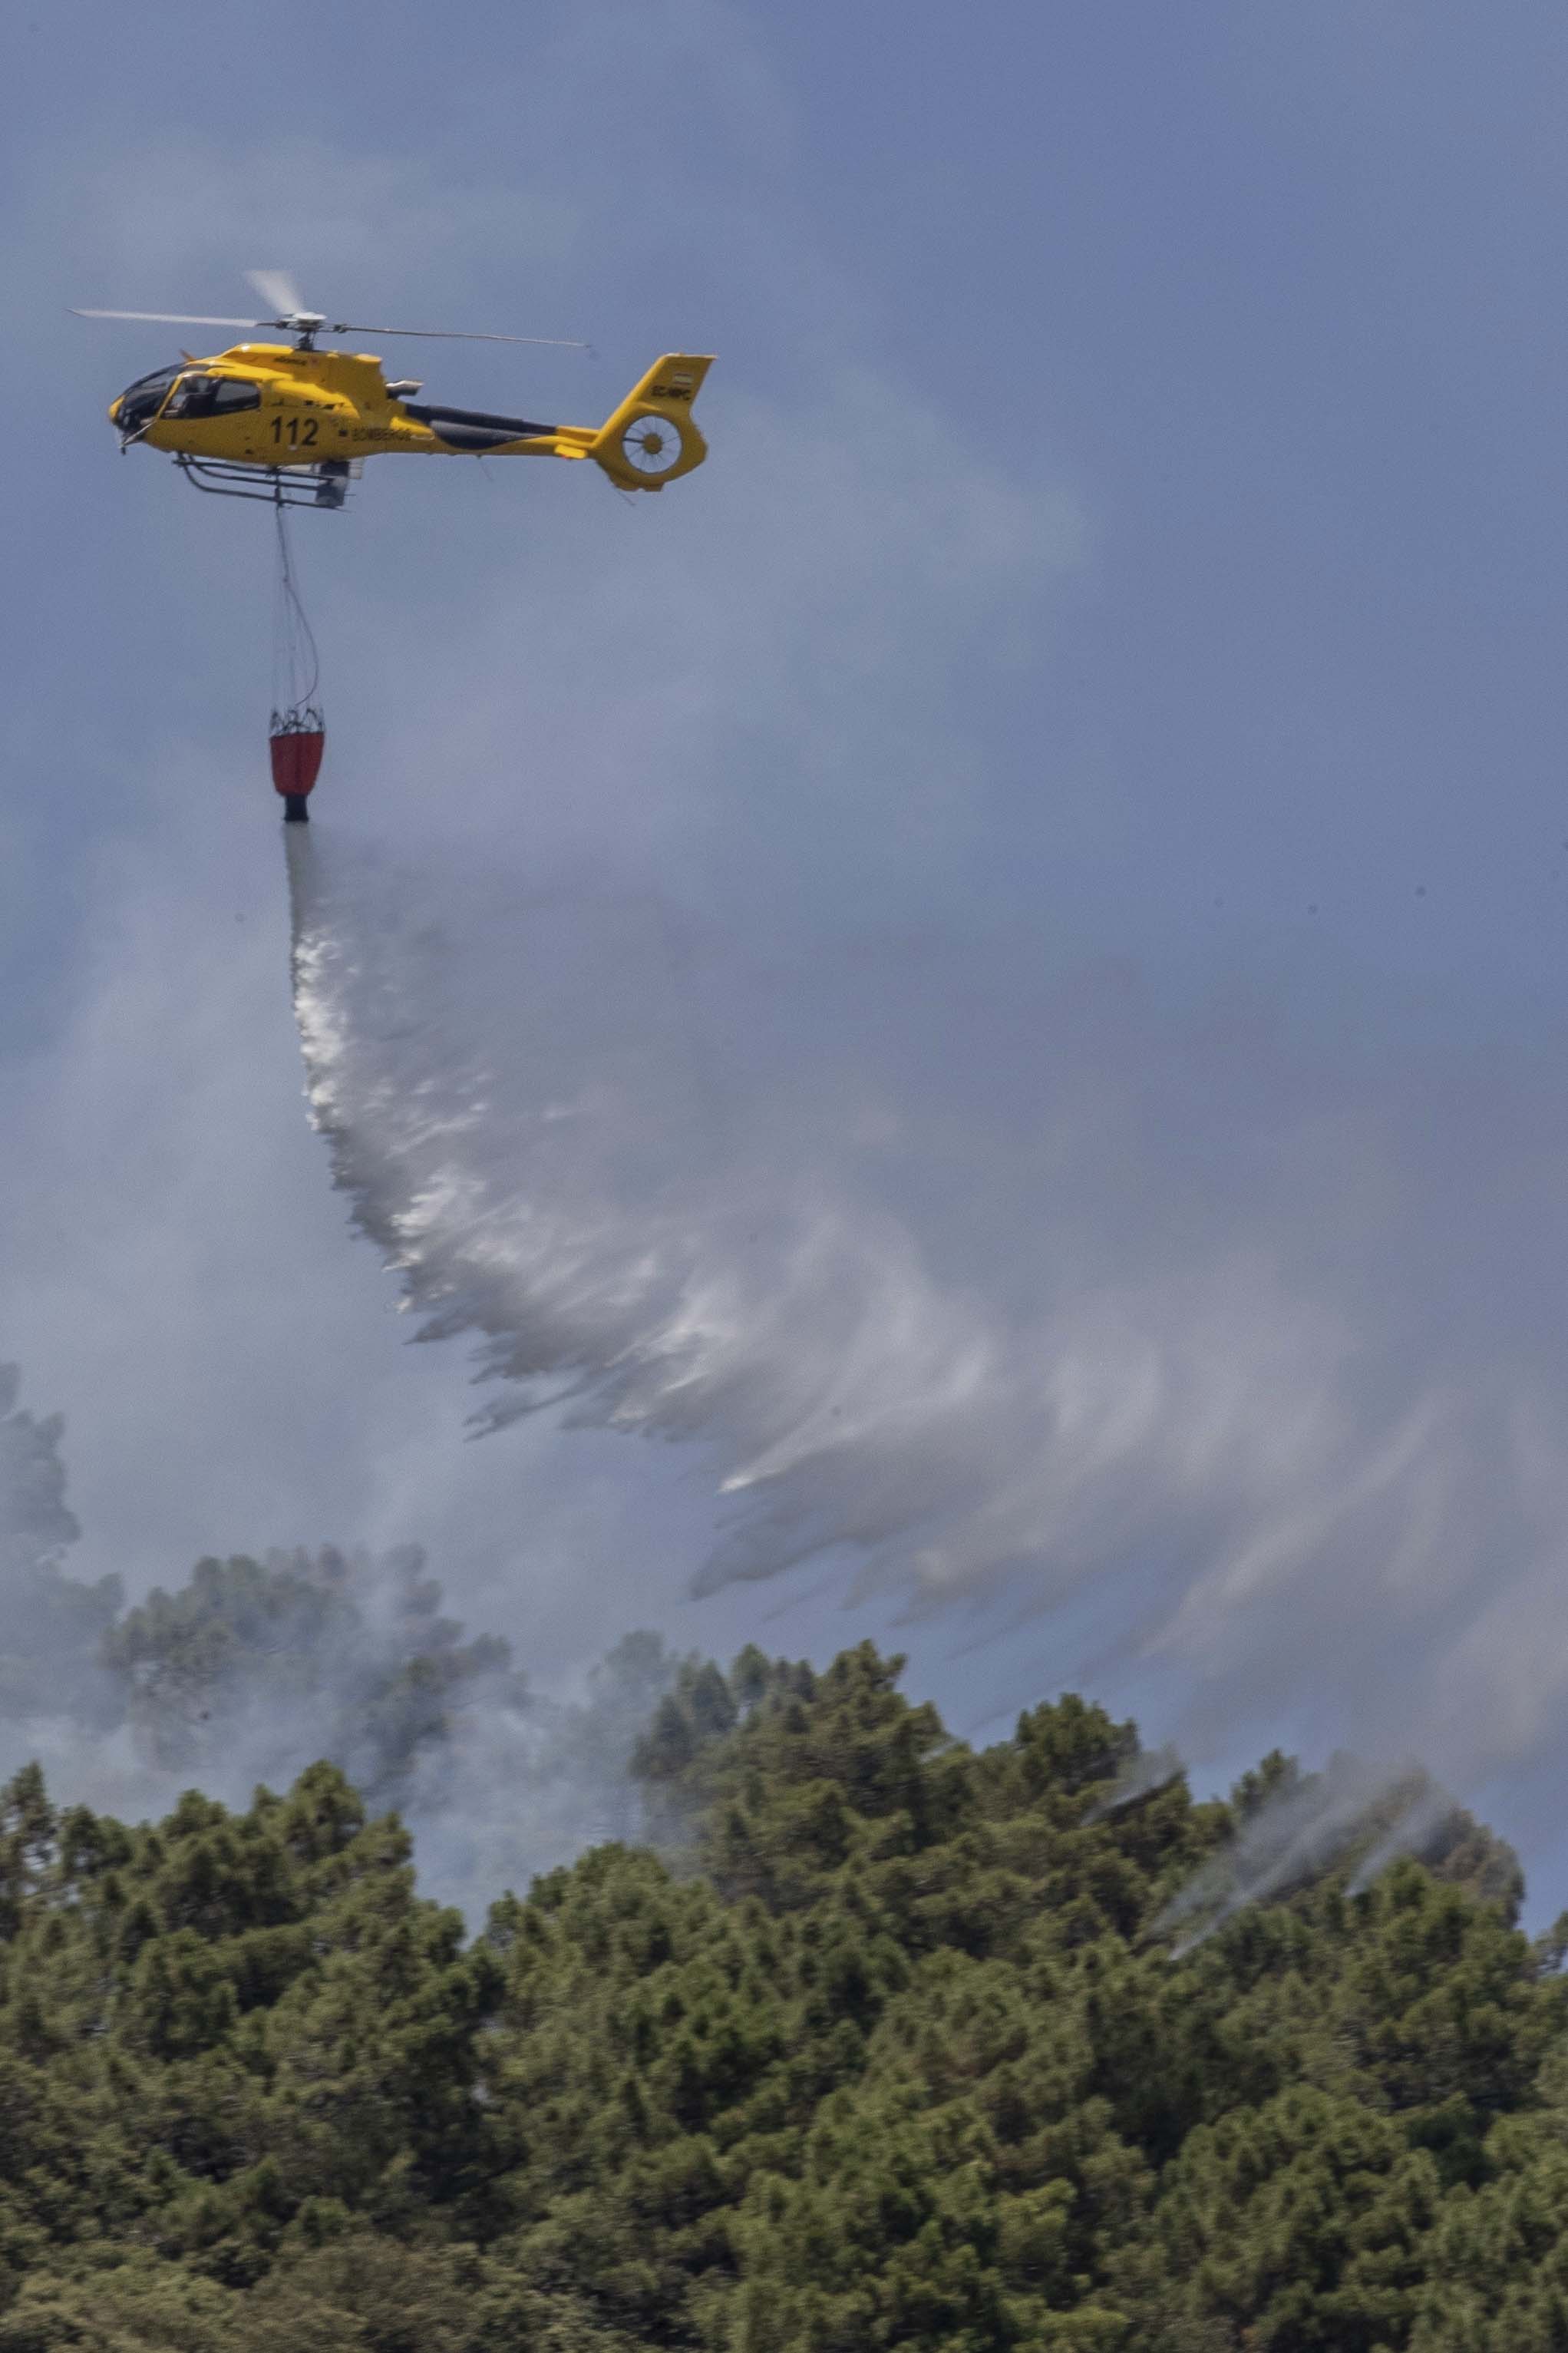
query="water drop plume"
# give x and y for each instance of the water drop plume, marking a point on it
(1020, 1290)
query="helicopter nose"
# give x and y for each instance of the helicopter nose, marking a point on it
(114, 411)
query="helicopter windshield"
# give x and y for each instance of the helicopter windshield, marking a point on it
(140, 402)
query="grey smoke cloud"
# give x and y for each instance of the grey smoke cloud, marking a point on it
(35, 1524)
(345, 1655)
(992, 1287)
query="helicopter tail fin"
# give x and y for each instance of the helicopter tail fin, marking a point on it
(651, 439)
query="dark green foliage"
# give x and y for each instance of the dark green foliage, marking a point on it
(880, 2044)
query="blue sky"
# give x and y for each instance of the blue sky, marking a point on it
(1264, 295)
(1124, 603)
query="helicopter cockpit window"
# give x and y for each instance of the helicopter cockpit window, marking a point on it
(211, 395)
(190, 396)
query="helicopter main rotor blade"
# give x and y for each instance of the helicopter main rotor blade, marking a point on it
(295, 317)
(456, 335)
(176, 318)
(276, 286)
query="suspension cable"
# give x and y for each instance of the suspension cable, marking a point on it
(294, 645)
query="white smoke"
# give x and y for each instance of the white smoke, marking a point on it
(1059, 1299)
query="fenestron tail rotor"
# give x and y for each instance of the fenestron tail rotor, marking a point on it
(277, 287)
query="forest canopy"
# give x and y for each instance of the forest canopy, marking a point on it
(865, 2040)
(838, 2035)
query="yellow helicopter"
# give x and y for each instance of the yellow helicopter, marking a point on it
(293, 425)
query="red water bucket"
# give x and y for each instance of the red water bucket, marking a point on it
(297, 740)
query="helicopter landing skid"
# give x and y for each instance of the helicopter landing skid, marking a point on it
(326, 485)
